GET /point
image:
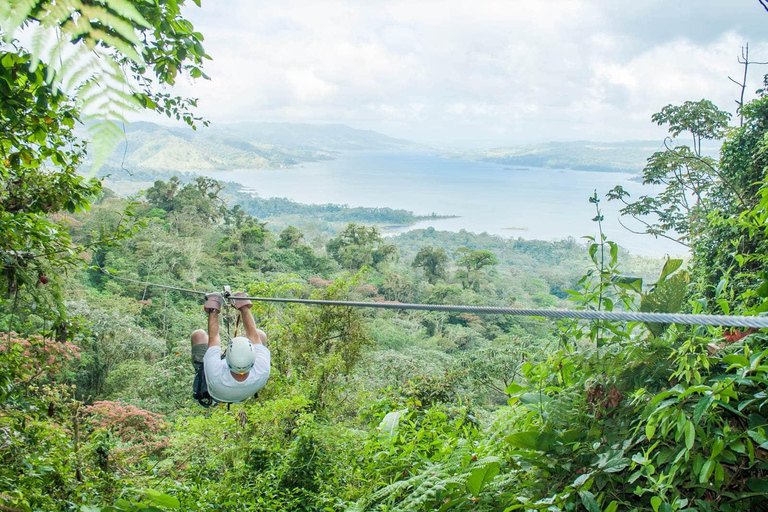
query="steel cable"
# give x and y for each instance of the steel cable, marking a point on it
(757, 322)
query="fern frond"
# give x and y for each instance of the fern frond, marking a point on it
(119, 25)
(17, 12)
(40, 42)
(57, 13)
(73, 40)
(104, 135)
(128, 11)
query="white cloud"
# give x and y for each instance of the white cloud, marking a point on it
(506, 70)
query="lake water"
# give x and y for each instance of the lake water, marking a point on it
(531, 203)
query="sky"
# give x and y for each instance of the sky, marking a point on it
(474, 73)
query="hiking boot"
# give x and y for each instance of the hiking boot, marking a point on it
(213, 303)
(240, 303)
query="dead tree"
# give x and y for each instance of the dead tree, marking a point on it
(744, 61)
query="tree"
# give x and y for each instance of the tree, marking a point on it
(358, 246)
(434, 261)
(744, 61)
(39, 154)
(687, 176)
(472, 263)
(47, 90)
(701, 119)
(290, 238)
(727, 249)
(109, 57)
(198, 201)
(703, 197)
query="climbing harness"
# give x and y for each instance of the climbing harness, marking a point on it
(757, 322)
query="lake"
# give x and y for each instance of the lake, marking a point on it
(532, 203)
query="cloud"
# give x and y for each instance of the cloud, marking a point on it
(506, 71)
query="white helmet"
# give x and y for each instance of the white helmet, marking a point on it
(240, 356)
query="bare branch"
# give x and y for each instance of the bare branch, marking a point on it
(654, 234)
(734, 81)
(763, 3)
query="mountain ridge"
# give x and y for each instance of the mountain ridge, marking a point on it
(624, 156)
(152, 146)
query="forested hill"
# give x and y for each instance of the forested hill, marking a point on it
(628, 156)
(149, 146)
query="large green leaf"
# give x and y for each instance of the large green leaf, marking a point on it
(532, 440)
(758, 485)
(480, 476)
(390, 423)
(163, 500)
(629, 283)
(589, 501)
(701, 407)
(670, 266)
(667, 297)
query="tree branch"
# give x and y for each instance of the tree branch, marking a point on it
(654, 234)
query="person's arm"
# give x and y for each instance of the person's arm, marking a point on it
(214, 340)
(257, 336)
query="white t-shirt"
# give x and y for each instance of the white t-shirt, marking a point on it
(223, 387)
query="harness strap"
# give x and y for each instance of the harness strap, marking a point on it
(237, 322)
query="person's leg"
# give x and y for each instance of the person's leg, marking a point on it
(199, 340)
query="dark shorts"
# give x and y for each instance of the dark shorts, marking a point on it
(198, 353)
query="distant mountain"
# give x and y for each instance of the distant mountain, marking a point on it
(323, 137)
(150, 146)
(629, 156)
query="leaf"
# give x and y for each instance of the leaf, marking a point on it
(161, 499)
(719, 473)
(612, 461)
(690, 434)
(628, 283)
(706, 471)
(480, 476)
(669, 267)
(582, 479)
(655, 503)
(720, 286)
(701, 407)
(758, 485)
(589, 501)
(650, 430)
(717, 447)
(736, 361)
(667, 297)
(532, 440)
(390, 423)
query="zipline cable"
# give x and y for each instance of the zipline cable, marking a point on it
(757, 322)
(166, 287)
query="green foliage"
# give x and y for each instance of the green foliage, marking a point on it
(471, 263)
(290, 238)
(689, 179)
(326, 343)
(40, 155)
(390, 410)
(360, 246)
(434, 262)
(94, 52)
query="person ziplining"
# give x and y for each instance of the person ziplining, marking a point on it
(245, 368)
